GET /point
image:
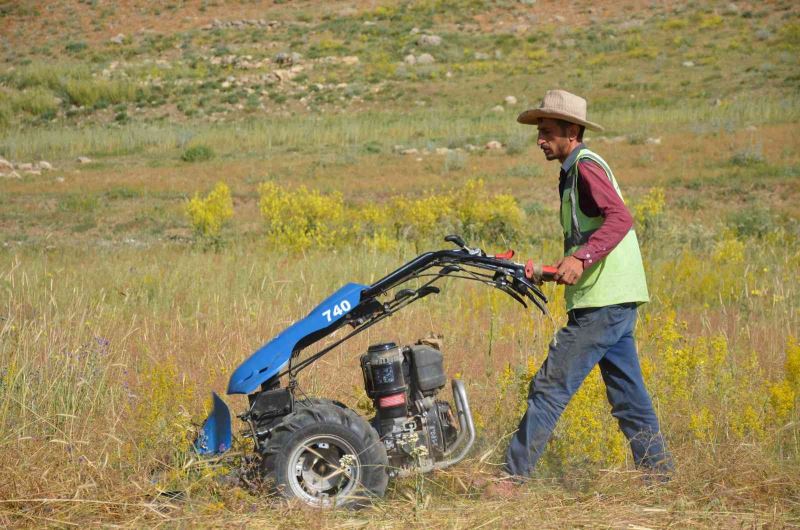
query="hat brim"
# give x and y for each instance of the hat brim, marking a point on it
(531, 117)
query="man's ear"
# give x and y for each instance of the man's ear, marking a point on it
(573, 130)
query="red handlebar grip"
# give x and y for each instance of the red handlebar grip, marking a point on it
(548, 272)
(508, 254)
(535, 271)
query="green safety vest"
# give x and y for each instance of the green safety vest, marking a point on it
(616, 279)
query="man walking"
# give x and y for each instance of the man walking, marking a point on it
(604, 277)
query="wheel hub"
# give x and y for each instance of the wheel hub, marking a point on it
(324, 467)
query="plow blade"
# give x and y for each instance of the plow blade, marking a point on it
(215, 436)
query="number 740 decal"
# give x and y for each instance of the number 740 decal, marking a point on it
(338, 310)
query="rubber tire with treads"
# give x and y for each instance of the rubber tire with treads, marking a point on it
(318, 419)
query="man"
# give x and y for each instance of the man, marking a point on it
(604, 277)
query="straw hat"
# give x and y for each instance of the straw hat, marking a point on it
(560, 105)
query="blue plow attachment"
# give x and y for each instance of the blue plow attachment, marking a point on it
(215, 436)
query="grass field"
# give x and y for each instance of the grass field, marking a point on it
(120, 312)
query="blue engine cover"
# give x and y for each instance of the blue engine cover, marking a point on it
(273, 356)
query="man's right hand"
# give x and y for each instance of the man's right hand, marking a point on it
(570, 270)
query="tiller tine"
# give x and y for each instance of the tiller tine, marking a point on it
(215, 436)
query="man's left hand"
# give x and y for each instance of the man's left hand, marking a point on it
(570, 270)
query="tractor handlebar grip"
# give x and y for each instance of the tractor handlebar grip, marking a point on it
(539, 272)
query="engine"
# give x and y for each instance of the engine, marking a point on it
(419, 431)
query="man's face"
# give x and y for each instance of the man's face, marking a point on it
(553, 140)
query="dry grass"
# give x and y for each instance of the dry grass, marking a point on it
(95, 430)
(115, 327)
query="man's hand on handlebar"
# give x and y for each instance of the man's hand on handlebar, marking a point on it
(570, 270)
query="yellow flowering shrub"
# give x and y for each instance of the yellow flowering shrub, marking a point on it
(784, 394)
(782, 397)
(648, 211)
(701, 424)
(749, 422)
(711, 394)
(306, 218)
(380, 241)
(209, 214)
(303, 218)
(420, 219)
(793, 363)
(487, 216)
(728, 251)
(693, 278)
(158, 411)
(586, 431)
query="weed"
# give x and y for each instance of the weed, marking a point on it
(75, 47)
(373, 147)
(752, 221)
(747, 158)
(197, 153)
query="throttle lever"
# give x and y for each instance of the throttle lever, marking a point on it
(508, 254)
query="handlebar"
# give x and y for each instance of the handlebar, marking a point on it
(515, 279)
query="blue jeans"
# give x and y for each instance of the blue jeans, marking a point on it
(592, 336)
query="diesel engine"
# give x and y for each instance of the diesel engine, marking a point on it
(419, 431)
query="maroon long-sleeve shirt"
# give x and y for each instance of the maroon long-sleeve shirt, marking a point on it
(597, 197)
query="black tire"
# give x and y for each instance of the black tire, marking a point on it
(307, 456)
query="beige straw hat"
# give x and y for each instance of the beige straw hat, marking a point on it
(560, 105)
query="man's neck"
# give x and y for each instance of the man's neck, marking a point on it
(568, 160)
(572, 147)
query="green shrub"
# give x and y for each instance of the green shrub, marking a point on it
(77, 203)
(790, 35)
(75, 47)
(197, 153)
(373, 147)
(751, 221)
(747, 158)
(122, 193)
(48, 75)
(91, 92)
(37, 101)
